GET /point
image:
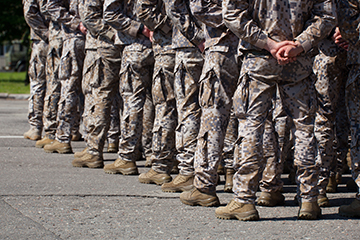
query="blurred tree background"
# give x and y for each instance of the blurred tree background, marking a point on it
(12, 22)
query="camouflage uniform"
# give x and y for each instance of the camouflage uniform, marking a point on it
(329, 74)
(275, 146)
(135, 73)
(100, 74)
(231, 136)
(152, 14)
(349, 22)
(53, 85)
(148, 124)
(113, 135)
(187, 35)
(259, 74)
(342, 128)
(217, 85)
(36, 17)
(66, 13)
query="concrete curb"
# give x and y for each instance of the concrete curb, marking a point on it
(14, 96)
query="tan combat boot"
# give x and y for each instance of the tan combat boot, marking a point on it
(352, 210)
(323, 200)
(153, 177)
(121, 166)
(80, 154)
(309, 211)
(59, 147)
(241, 211)
(180, 183)
(229, 175)
(44, 141)
(33, 134)
(271, 199)
(113, 147)
(89, 160)
(332, 185)
(195, 198)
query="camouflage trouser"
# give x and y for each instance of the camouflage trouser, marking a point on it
(342, 131)
(328, 73)
(70, 75)
(231, 136)
(217, 85)
(163, 141)
(37, 75)
(259, 75)
(342, 128)
(188, 65)
(113, 134)
(148, 124)
(103, 79)
(353, 107)
(271, 177)
(135, 77)
(89, 65)
(275, 146)
(53, 87)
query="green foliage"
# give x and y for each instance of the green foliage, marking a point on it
(13, 82)
(12, 22)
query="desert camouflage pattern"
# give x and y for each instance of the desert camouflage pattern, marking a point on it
(148, 124)
(217, 85)
(231, 136)
(36, 17)
(152, 14)
(37, 76)
(135, 72)
(187, 30)
(100, 74)
(53, 86)
(329, 73)
(135, 77)
(70, 76)
(66, 13)
(113, 134)
(349, 11)
(259, 74)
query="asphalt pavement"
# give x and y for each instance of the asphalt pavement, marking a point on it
(43, 197)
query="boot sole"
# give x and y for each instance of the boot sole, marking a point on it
(266, 203)
(149, 181)
(251, 217)
(89, 165)
(33, 138)
(215, 203)
(42, 146)
(130, 171)
(59, 151)
(179, 189)
(309, 216)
